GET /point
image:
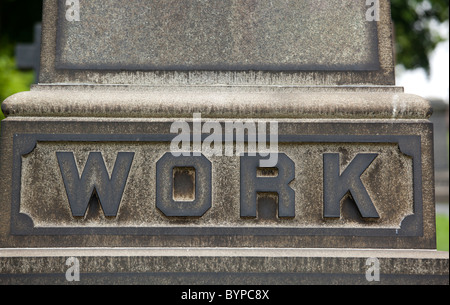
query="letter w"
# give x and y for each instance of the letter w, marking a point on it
(94, 177)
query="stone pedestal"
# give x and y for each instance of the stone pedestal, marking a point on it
(267, 249)
(223, 266)
(321, 170)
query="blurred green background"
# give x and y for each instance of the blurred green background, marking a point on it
(442, 232)
(17, 19)
(415, 33)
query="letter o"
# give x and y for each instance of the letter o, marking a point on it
(164, 186)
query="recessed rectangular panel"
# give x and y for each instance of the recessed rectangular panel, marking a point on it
(382, 175)
(292, 35)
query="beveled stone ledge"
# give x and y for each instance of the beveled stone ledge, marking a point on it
(216, 102)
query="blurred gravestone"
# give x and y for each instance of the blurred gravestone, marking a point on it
(28, 56)
(441, 154)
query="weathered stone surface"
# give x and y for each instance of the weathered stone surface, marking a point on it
(218, 42)
(223, 266)
(38, 206)
(280, 102)
(85, 161)
(217, 35)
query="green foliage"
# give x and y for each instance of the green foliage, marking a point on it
(11, 79)
(442, 232)
(414, 32)
(17, 18)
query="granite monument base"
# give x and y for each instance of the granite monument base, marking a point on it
(223, 266)
(87, 174)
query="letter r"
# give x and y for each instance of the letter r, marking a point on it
(251, 184)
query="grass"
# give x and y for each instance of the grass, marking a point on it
(442, 232)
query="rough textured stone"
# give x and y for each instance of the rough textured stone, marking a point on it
(41, 210)
(218, 35)
(109, 88)
(217, 102)
(170, 43)
(223, 266)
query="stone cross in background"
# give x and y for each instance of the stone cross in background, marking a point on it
(28, 56)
